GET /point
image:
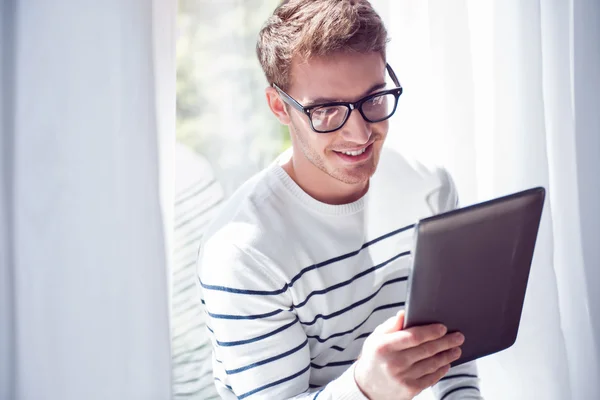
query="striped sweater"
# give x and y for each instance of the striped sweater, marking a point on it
(292, 286)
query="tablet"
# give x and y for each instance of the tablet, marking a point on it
(470, 270)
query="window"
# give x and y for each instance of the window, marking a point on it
(225, 133)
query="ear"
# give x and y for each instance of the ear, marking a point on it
(277, 105)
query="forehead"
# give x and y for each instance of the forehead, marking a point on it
(343, 76)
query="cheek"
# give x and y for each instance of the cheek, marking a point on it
(321, 143)
(318, 143)
(381, 128)
(301, 128)
(301, 122)
(330, 141)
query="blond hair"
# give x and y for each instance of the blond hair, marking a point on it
(313, 28)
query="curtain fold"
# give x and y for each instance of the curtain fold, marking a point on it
(520, 161)
(571, 270)
(7, 331)
(84, 187)
(505, 94)
(586, 90)
(164, 66)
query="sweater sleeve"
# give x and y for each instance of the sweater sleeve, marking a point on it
(460, 383)
(260, 350)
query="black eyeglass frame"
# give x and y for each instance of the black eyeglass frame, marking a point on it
(397, 91)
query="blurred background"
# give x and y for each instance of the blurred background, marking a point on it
(125, 125)
(222, 113)
(225, 134)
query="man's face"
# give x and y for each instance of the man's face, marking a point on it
(341, 77)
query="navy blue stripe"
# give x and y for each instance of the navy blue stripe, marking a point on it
(333, 364)
(338, 348)
(317, 395)
(352, 306)
(457, 389)
(244, 317)
(349, 281)
(385, 307)
(458, 376)
(303, 271)
(256, 339)
(348, 255)
(311, 386)
(244, 291)
(286, 379)
(364, 335)
(222, 383)
(317, 292)
(268, 360)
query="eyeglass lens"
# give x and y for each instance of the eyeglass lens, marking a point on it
(376, 109)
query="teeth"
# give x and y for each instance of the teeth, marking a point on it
(354, 153)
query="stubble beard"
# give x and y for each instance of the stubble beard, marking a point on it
(350, 175)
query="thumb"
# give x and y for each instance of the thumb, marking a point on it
(393, 324)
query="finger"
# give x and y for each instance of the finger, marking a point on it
(433, 364)
(399, 321)
(431, 348)
(433, 378)
(412, 337)
(392, 324)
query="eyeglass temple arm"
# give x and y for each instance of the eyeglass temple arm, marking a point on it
(393, 75)
(288, 99)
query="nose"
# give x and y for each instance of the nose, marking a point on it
(356, 129)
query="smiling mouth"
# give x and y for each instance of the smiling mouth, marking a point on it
(354, 153)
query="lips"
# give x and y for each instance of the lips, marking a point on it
(354, 156)
(354, 152)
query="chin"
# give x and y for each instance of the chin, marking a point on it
(353, 176)
(356, 174)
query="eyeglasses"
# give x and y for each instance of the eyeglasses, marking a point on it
(329, 117)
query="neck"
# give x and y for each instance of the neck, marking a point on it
(320, 185)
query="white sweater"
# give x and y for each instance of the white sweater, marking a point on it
(293, 286)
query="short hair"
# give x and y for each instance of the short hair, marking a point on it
(313, 28)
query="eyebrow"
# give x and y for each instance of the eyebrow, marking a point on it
(323, 100)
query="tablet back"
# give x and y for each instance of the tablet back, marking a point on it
(470, 270)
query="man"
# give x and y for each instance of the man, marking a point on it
(304, 271)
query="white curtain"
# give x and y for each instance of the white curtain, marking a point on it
(506, 94)
(87, 97)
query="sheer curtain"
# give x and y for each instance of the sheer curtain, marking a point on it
(87, 114)
(505, 94)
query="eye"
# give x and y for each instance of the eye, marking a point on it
(377, 100)
(326, 112)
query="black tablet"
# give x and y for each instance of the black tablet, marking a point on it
(470, 270)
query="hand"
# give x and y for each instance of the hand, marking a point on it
(399, 364)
